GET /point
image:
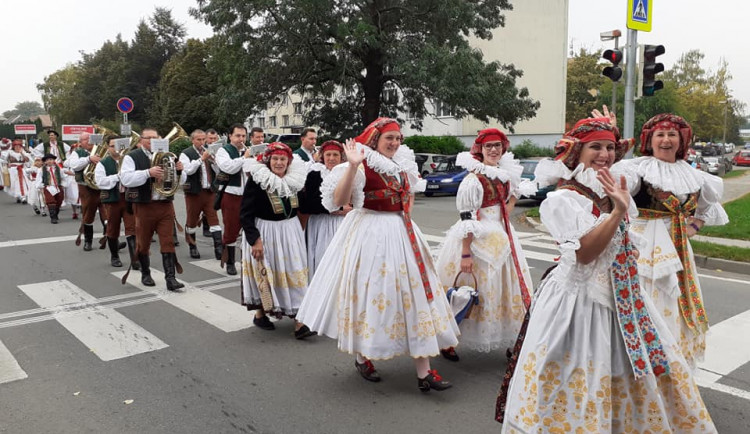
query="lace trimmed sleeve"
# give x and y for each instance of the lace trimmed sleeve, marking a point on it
(331, 181)
(710, 209)
(468, 201)
(567, 215)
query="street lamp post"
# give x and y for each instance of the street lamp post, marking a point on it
(724, 137)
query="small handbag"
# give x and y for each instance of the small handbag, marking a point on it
(462, 299)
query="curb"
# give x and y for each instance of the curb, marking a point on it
(700, 260)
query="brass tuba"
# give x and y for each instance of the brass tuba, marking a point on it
(176, 133)
(100, 151)
(169, 183)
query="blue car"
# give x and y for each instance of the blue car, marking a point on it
(445, 178)
(528, 173)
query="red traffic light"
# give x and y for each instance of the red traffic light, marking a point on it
(614, 56)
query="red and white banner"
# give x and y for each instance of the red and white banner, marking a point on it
(73, 132)
(25, 129)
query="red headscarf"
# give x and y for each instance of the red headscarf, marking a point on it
(371, 134)
(331, 145)
(667, 121)
(488, 135)
(275, 148)
(568, 149)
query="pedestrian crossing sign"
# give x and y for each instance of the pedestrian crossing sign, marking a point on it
(639, 15)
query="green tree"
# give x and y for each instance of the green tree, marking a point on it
(585, 86)
(62, 96)
(343, 57)
(185, 91)
(26, 109)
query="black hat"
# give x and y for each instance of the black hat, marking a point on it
(49, 156)
(53, 131)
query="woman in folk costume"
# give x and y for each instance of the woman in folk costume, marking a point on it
(274, 259)
(483, 242)
(321, 225)
(376, 290)
(597, 357)
(18, 159)
(674, 201)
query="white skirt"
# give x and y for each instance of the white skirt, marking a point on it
(496, 321)
(19, 186)
(368, 294)
(71, 193)
(658, 265)
(574, 374)
(320, 231)
(285, 260)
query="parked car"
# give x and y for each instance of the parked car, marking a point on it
(528, 173)
(712, 150)
(728, 148)
(742, 158)
(727, 162)
(293, 140)
(698, 162)
(715, 166)
(445, 178)
(747, 145)
(427, 163)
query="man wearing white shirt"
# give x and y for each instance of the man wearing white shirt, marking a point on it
(112, 196)
(153, 212)
(306, 150)
(59, 149)
(231, 181)
(78, 160)
(197, 176)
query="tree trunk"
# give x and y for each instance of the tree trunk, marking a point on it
(372, 86)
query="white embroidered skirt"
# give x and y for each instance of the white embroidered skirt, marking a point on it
(320, 231)
(368, 294)
(285, 260)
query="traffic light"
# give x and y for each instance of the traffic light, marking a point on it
(614, 72)
(651, 68)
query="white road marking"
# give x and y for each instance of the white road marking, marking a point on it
(29, 242)
(215, 266)
(728, 345)
(109, 334)
(212, 308)
(10, 370)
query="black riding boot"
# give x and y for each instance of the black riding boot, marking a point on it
(206, 228)
(114, 252)
(230, 261)
(194, 253)
(131, 249)
(146, 270)
(53, 212)
(218, 246)
(168, 259)
(88, 237)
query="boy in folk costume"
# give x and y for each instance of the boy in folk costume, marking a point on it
(53, 182)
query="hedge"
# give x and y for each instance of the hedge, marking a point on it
(435, 144)
(528, 148)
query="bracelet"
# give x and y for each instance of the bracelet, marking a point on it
(466, 256)
(696, 227)
(466, 215)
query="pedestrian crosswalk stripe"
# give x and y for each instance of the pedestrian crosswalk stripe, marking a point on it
(10, 370)
(214, 309)
(215, 266)
(108, 333)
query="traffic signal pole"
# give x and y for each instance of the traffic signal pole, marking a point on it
(632, 54)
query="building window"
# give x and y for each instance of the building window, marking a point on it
(390, 95)
(285, 121)
(262, 122)
(250, 122)
(297, 108)
(442, 110)
(272, 122)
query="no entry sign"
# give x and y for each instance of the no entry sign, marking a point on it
(125, 105)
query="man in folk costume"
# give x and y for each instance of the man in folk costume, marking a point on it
(212, 137)
(18, 159)
(306, 150)
(153, 212)
(199, 198)
(52, 182)
(231, 182)
(112, 196)
(79, 159)
(59, 149)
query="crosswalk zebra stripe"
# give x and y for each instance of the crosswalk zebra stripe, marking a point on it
(10, 370)
(108, 333)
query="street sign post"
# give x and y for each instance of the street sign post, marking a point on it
(639, 15)
(24, 129)
(125, 105)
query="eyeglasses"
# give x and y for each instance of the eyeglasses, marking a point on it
(148, 138)
(491, 145)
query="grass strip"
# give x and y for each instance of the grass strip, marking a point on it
(719, 251)
(738, 227)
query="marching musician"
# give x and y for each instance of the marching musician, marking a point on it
(231, 185)
(306, 151)
(112, 196)
(78, 161)
(212, 137)
(197, 176)
(153, 211)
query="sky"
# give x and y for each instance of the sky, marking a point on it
(63, 28)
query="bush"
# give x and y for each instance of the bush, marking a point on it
(179, 145)
(527, 149)
(450, 145)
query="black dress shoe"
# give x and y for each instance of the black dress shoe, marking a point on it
(433, 381)
(264, 323)
(450, 354)
(304, 332)
(367, 371)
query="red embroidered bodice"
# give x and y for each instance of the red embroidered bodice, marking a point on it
(495, 191)
(385, 192)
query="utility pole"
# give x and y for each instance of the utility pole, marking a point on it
(629, 119)
(724, 138)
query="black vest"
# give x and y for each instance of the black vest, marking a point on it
(140, 194)
(193, 184)
(82, 153)
(235, 180)
(110, 168)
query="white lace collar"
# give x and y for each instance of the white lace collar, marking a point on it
(319, 167)
(285, 186)
(402, 161)
(507, 169)
(549, 172)
(677, 178)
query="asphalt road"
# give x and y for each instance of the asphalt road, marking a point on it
(192, 363)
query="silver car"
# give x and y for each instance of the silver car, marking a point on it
(715, 166)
